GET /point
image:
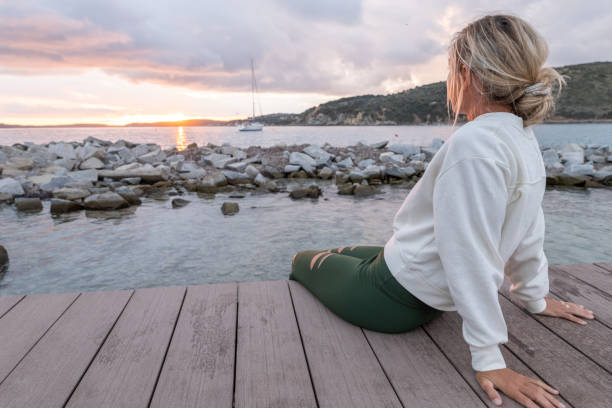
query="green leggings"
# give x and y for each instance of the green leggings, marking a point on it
(355, 283)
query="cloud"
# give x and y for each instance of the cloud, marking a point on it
(335, 47)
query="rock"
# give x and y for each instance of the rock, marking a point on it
(67, 193)
(406, 150)
(550, 157)
(400, 172)
(417, 165)
(251, 170)
(128, 195)
(373, 172)
(260, 179)
(356, 176)
(597, 158)
(148, 175)
(317, 153)
(193, 174)
(63, 150)
(326, 173)
(428, 152)
(298, 174)
(3, 157)
(59, 206)
(346, 163)
(91, 163)
(291, 168)
(131, 180)
(573, 157)
(312, 192)
(129, 167)
(20, 163)
(156, 156)
(140, 150)
(55, 183)
(105, 201)
(271, 186)
(88, 151)
(179, 202)
(229, 208)
(569, 180)
(437, 143)
(11, 186)
(28, 204)
(217, 160)
(572, 147)
(603, 173)
(234, 177)
(83, 175)
(346, 189)
(364, 190)
(579, 170)
(6, 198)
(4, 259)
(303, 160)
(418, 157)
(365, 163)
(126, 155)
(380, 145)
(273, 172)
(68, 164)
(390, 157)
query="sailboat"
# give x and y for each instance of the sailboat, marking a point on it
(252, 125)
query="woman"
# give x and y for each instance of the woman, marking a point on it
(474, 217)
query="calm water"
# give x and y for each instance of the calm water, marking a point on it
(548, 135)
(157, 246)
(154, 245)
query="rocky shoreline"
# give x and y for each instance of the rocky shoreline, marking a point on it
(101, 175)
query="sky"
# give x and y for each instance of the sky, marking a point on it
(122, 61)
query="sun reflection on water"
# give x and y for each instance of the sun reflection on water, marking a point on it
(181, 139)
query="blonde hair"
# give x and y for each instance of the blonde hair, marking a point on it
(506, 55)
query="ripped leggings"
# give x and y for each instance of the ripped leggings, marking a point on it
(355, 283)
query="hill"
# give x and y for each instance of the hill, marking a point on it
(587, 97)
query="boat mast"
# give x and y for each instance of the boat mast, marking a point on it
(253, 86)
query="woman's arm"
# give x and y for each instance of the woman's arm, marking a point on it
(470, 199)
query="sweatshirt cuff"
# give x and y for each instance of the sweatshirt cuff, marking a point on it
(487, 358)
(535, 306)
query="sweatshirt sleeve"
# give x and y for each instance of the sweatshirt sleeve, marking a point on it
(469, 201)
(527, 268)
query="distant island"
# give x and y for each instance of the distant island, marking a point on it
(586, 98)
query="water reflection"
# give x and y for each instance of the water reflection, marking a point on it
(181, 139)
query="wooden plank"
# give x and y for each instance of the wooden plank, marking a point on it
(593, 339)
(271, 369)
(125, 370)
(592, 274)
(7, 302)
(49, 372)
(421, 375)
(582, 382)
(446, 332)
(344, 370)
(199, 365)
(26, 323)
(574, 290)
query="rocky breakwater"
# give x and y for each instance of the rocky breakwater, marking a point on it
(99, 175)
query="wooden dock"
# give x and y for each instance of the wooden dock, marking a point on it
(273, 344)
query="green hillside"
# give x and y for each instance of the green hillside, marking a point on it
(587, 97)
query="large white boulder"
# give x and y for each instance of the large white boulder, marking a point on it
(11, 186)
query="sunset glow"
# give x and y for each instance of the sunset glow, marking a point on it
(117, 63)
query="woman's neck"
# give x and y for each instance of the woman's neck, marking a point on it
(479, 110)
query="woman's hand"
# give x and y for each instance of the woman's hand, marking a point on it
(566, 310)
(530, 392)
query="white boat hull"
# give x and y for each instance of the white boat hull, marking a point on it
(251, 127)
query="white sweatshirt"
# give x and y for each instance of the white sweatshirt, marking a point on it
(475, 215)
